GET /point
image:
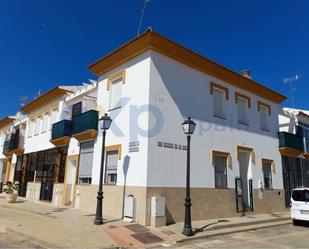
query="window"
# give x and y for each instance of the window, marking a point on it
(31, 128)
(242, 111)
(54, 117)
(220, 164)
(37, 125)
(243, 102)
(45, 122)
(85, 180)
(85, 162)
(267, 166)
(111, 167)
(76, 109)
(301, 195)
(264, 110)
(263, 118)
(302, 130)
(218, 98)
(115, 93)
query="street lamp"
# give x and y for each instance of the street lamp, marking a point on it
(105, 123)
(188, 128)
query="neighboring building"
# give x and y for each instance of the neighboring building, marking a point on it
(294, 148)
(43, 134)
(149, 86)
(5, 131)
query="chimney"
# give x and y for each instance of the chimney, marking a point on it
(246, 73)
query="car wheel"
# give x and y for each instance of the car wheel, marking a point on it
(295, 222)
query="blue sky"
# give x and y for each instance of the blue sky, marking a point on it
(44, 43)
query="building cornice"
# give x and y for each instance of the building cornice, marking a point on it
(44, 99)
(154, 41)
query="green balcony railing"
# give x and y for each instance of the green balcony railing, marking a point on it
(62, 129)
(7, 146)
(85, 121)
(290, 140)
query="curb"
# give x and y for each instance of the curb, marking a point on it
(227, 231)
(248, 223)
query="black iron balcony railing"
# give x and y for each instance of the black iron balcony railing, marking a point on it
(85, 121)
(290, 140)
(62, 129)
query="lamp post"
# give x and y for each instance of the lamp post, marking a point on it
(105, 123)
(188, 128)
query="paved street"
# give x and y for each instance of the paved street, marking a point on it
(14, 240)
(287, 236)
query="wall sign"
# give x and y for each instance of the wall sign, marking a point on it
(171, 146)
(134, 146)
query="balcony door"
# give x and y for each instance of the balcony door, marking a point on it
(76, 109)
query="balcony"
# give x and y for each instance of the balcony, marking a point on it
(15, 145)
(85, 126)
(290, 144)
(61, 133)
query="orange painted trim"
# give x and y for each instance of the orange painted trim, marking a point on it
(44, 99)
(117, 147)
(6, 121)
(62, 141)
(290, 152)
(222, 154)
(156, 42)
(121, 74)
(214, 86)
(261, 104)
(306, 155)
(268, 161)
(86, 135)
(242, 96)
(8, 169)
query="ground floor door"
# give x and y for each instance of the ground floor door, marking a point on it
(47, 182)
(70, 181)
(245, 182)
(291, 169)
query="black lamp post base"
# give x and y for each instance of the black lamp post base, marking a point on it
(98, 222)
(187, 231)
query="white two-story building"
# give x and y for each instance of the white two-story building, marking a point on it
(149, 86)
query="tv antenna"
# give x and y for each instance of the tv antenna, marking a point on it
(142, 15)
(290, 82)
(23, 100)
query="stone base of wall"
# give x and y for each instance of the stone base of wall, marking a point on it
(207, 203)
(58, 194)
(33, 191)
(113, 202)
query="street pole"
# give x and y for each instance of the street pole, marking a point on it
(187, 230)
(99, 217)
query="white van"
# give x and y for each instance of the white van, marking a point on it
(300, 205)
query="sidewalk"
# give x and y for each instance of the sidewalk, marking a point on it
(51, 226)
(216, 227)
(58, 227)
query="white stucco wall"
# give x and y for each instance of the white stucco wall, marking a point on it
(179, 91)
(135, 95)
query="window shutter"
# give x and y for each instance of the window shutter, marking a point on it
(86, 159)
(115, 93)
(241, 104)
(263, 115)
(218, 97)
